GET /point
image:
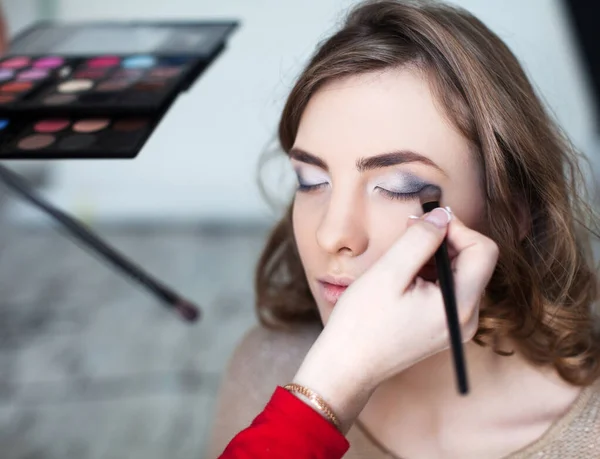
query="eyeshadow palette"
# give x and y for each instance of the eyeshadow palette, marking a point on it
(81, 102)
(63, 137)
(139, 83)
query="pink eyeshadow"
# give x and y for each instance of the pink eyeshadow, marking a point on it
(15, 63)
(33, 74)
(51, 125)
(101, 62)
(50, 62)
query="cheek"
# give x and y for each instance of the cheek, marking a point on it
(466, 196)
(305, 223)
(387, 223)
(388, 218)
(471, 211)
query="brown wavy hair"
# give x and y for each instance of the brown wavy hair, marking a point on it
(544, 288)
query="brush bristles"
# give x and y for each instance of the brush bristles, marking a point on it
(429, 194)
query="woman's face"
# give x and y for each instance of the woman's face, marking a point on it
(365, 147)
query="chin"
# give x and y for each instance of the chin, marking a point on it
(324, 310)
(323, 307)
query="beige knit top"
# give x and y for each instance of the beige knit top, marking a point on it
(265, 359)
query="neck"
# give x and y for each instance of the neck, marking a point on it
(435, 376)
(430, 386)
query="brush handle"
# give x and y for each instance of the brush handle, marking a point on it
(186, 309)
(442, 261)
(444, 272)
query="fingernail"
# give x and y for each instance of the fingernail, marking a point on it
(449, 211)
(439, 216)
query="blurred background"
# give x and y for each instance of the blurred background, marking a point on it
(91, 366)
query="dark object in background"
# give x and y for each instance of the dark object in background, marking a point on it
(98, 90)
(584, 16)
(186, 309)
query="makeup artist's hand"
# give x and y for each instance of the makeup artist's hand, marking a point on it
(389, 319)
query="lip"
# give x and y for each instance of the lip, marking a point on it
(343, 281)
(332, 287)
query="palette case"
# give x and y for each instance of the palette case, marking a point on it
(98, 90)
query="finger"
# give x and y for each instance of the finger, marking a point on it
(474, 263)
(415, 247)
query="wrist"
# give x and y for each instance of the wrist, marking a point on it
(337, 382)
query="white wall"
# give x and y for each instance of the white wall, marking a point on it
(211, 139)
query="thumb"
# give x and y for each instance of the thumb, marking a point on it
(415, 247)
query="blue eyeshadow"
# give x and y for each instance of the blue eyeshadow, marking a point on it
(139, 62)
(410, 184)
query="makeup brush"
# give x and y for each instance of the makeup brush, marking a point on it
(182, 306)
(430, 199)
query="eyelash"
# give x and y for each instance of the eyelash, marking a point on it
(388, 194)
(400, 196)
(307, 188)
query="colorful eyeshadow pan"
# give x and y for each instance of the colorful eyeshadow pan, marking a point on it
(48, 126)
(33, 74)
(3, 124)
(73, 86)
(16, 86)
(50, 62)
(6, 74)
(139, 62)
(15, 63)
(7, 98)
(91, 125)
(103, 62)
(36, 142)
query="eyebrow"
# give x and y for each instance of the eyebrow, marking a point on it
(366, 164)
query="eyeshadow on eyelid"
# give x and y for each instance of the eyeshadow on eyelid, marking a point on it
(402, 182)
(311, 175)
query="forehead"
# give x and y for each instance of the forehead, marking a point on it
(379, 112)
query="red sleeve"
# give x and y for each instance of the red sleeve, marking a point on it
(287, 428)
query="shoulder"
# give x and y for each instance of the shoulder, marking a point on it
(263, 359)
(575, 433)
(275, 352)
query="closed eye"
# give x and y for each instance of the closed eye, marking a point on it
(306, 188)
(409, 196)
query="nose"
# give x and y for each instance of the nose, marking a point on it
(343, 228)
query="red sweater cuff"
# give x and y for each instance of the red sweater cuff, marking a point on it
(288, 428)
